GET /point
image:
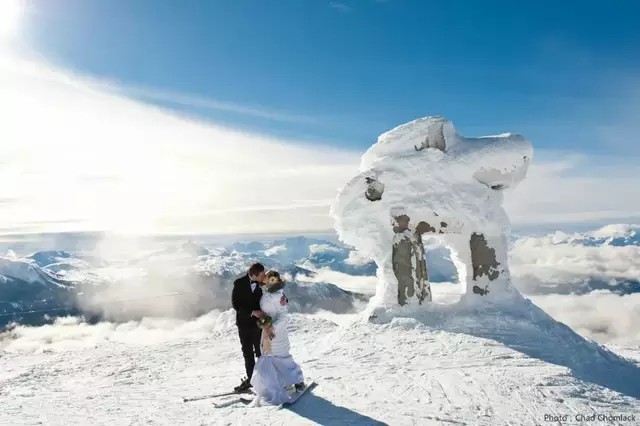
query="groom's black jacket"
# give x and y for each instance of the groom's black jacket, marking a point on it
(245, 301)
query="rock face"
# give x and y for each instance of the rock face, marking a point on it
(424, 180)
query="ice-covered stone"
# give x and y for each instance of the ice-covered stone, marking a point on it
(423, 179)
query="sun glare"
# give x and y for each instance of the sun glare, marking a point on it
(10, 15)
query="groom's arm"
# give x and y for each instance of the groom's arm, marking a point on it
(235, 298)
(238, 302)
(257, 311)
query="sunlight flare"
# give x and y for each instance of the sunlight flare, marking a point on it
(11, 12)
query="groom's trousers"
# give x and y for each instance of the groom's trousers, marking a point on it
(250, 341)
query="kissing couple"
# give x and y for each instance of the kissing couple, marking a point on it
(261, 317)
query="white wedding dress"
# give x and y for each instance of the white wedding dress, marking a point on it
(275, 369)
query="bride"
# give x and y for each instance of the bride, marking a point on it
(276, 375)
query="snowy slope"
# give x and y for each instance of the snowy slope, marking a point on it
(446, 366)
(25, 285)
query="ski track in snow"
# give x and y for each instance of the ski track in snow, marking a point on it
(400, 373)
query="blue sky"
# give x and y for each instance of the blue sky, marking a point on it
(341, 72)
(266, 107)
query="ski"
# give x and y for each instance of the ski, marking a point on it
(232, 402)
(296, 396)
(214, 395)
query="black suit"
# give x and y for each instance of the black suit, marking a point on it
(245, 301)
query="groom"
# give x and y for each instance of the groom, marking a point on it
(245, 299)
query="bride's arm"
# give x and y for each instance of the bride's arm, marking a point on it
(272, 303)
(279, 304)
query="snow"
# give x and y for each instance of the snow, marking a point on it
(447, 362)
(20, 269)
(275, 250)
(310, 253)
(358, 284)
(323, 248)
(448, 365)
(618, 231)
(429, 172)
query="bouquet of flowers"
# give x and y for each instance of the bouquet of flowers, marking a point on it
(266, 324)
(264, 321)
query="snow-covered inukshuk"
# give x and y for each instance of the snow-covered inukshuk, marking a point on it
(424, 179)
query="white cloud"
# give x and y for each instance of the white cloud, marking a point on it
(563, 189)
(342, 7)
(360, 284)
(557, 263)
(70, 333)
(602, 316)
(206, 103)
(75, 156)
(356, 258)
(552, 268)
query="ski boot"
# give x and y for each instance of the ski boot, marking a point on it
(244, 386)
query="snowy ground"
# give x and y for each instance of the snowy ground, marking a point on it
(444, 367)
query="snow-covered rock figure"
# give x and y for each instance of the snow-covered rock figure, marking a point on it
(423, 179)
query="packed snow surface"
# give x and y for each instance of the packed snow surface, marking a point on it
(446, 364)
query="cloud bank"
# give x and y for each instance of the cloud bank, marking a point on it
(589, 281)
(70, 333)
(607, 259)
(601, 315)
(77, 157)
